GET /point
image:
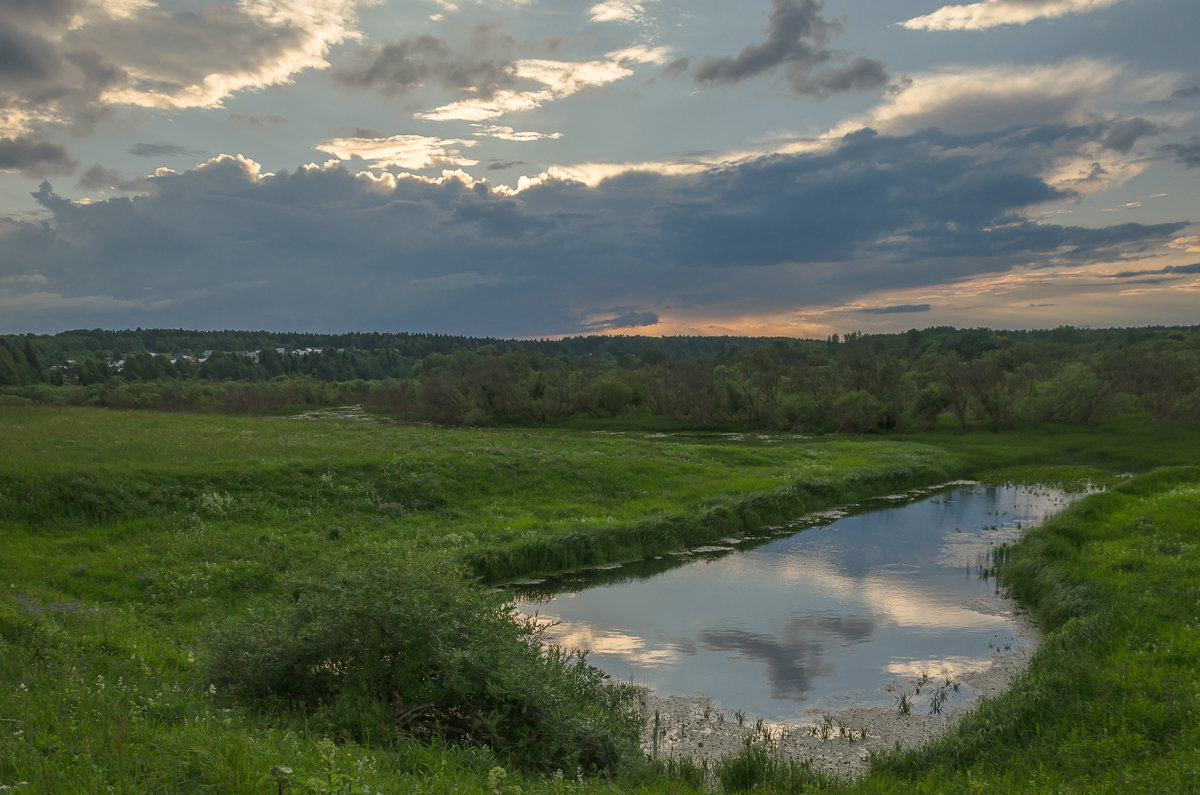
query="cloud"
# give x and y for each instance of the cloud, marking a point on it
(979, 99)
(677, 67)
(1188, 243)
(479, 69)
(161, 150)
(34, 158)
(457, 281)
(72, 62)
(897, 309)
(332, 249)
(502, 165)
(25, 278)
(627, 11)
(1097, 154)
(410, 152)
(509, 134)
(620, 317)
(559, 79)
(1187, 154)
(1168, 270)
(993, 13)
(1123, 134)
(97, 177)
(796, 37)
(262, 122)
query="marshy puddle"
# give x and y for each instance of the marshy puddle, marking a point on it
(846, 614)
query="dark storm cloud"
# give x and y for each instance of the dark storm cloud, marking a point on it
(481, 67)
(796, 39)
(1122, 135)
(1178, 96)
(499, 217)
(676, 68)
(25, 58)
(621, 317)
(223, 245)
(34, 158)
(796, 33)
(97, 177)
(1188, 154)
(261, 122)
(898, 309)
(822, 208)
(161, 150)
(1169, 270)
(861, 74)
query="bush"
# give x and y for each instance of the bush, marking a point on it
(414, 647)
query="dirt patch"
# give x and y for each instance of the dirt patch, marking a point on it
(838, 741)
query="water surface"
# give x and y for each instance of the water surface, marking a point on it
(833, 616)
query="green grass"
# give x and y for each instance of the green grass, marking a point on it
(510, 502)
(127, 537)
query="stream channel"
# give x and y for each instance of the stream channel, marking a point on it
(834, 611)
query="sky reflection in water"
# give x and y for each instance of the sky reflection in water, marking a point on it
(825, 617)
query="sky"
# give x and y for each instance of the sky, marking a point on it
(541, 168)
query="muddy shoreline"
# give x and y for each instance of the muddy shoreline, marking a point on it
(838, 741)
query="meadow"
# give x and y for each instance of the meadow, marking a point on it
(165, 576)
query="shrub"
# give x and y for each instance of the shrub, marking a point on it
(412, 646)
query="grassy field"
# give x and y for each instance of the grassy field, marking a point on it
(130, 539)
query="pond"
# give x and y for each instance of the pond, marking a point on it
(834, 611)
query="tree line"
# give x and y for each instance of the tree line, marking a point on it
(852, 383)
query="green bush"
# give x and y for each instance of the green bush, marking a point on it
(412, 646)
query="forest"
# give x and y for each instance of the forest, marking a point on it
(854, 383)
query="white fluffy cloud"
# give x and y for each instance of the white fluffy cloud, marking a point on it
(1080, 92)
(71, 61)
(558, 80)
(993, 13)
(504, 133)
(974, 99)
(411, 152)
(618, 11)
